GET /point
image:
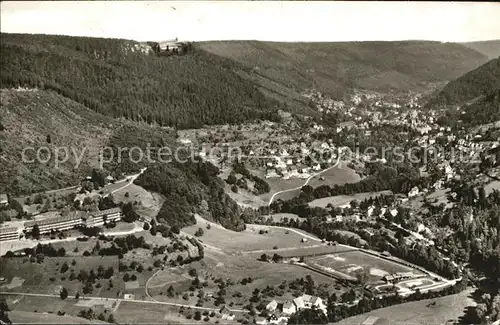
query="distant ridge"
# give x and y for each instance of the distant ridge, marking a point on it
(489, 48)
(334, 68)
(471, 86)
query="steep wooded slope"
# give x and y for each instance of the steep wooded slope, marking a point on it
(116, 78)
(32, 118)
(472, 85)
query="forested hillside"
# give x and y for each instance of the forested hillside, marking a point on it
(39, 118)
(472, 85)
(191, 187)
(489, 48)
(116, 78)
(334, 68)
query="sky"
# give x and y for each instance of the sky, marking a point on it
(293, 21)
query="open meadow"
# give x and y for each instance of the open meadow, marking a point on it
(448, 308)
(254, 238)
(335, 176)
(24, 276)
(149, 202)
(44, 309)
(341, 200)
(234, 271)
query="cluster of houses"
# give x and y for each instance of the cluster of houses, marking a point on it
(72, 220)
(279, 312)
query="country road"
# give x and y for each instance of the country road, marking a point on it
(305, 183)
(114, 299)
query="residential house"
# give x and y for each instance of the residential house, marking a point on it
(259, 320)
(225, 310)
(185, 141)
(299, 303)
(289, 308)
(272, 306)
(414, 192)
(274, 319)
(317, 302)
(4, 200)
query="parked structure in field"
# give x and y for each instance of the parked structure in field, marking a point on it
(4, 200)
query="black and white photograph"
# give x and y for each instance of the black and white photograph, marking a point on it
(250, 162)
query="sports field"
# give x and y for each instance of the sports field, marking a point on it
(353, 262)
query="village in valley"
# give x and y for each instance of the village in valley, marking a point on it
(363, 191)
(275, 162)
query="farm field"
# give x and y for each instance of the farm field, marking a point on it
(418, 313)
(28, 307)
(247, 240)
(340, 200)
(232, 269)
(27, 317)
(131, 312)
(353, 262)
(21, 275)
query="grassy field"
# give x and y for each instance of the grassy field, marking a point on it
(130, 313)
(46, 277)
(353, 262)
(491, 187)
(150, 203)
(30, 309)
(27, 317)
(247, 240)
(418, 313)
(336, 176)
(231, 269)
(341, 200)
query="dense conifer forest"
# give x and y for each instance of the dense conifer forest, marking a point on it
(121, 78)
